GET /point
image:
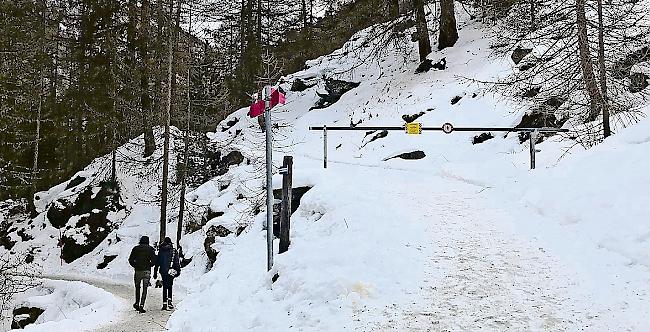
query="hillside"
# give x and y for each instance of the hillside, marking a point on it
(399, 232)
(467, 237)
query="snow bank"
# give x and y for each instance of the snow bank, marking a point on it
(72, 306)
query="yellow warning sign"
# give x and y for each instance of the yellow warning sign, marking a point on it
(413, 128)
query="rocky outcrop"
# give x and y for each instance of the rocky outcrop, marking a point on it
(335, 89)
(299, 85)
(92, 226)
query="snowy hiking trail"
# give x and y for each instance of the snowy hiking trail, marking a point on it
(129, 320)
(478, 272)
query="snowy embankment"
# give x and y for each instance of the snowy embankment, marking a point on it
(465, 238)
(70, 306)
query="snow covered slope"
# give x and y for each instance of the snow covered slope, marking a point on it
(465, 238)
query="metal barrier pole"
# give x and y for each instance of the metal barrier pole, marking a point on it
(269, 179)
(324, 146)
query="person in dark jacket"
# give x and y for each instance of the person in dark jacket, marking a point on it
(142, 259)
(170, 267)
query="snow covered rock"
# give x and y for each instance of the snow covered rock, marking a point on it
(24, 316)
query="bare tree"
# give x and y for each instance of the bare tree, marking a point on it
(16, 276)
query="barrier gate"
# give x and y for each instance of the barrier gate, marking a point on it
(415, 128)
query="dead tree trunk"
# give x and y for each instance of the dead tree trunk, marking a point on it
(448, 32)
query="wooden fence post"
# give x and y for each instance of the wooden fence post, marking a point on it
(285, 210)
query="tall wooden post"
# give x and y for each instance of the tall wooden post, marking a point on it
(285, 210)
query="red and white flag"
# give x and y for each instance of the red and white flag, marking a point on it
(277, 97)
(258, 107)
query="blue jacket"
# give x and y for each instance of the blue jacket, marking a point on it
(167, 258)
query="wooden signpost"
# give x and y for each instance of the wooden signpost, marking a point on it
(285, 208)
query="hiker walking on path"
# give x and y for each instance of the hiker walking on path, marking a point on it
(169, 264)
(142, 259)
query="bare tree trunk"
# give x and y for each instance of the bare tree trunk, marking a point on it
(145, 98)
(448, 32)
(181, 209)
(167, 116)
(603, 74)
(424, 44)
(39, 111)
(159, 50)
(588, 77)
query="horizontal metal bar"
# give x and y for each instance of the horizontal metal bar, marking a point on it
(503, 129)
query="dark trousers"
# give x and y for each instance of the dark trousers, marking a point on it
(168, 282)
(141, 278)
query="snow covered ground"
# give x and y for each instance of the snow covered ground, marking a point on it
(463, 239)
(467, 238)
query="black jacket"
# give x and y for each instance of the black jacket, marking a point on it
(167, 259)
(142, 257)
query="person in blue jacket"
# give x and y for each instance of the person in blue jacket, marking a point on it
(169, 264)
